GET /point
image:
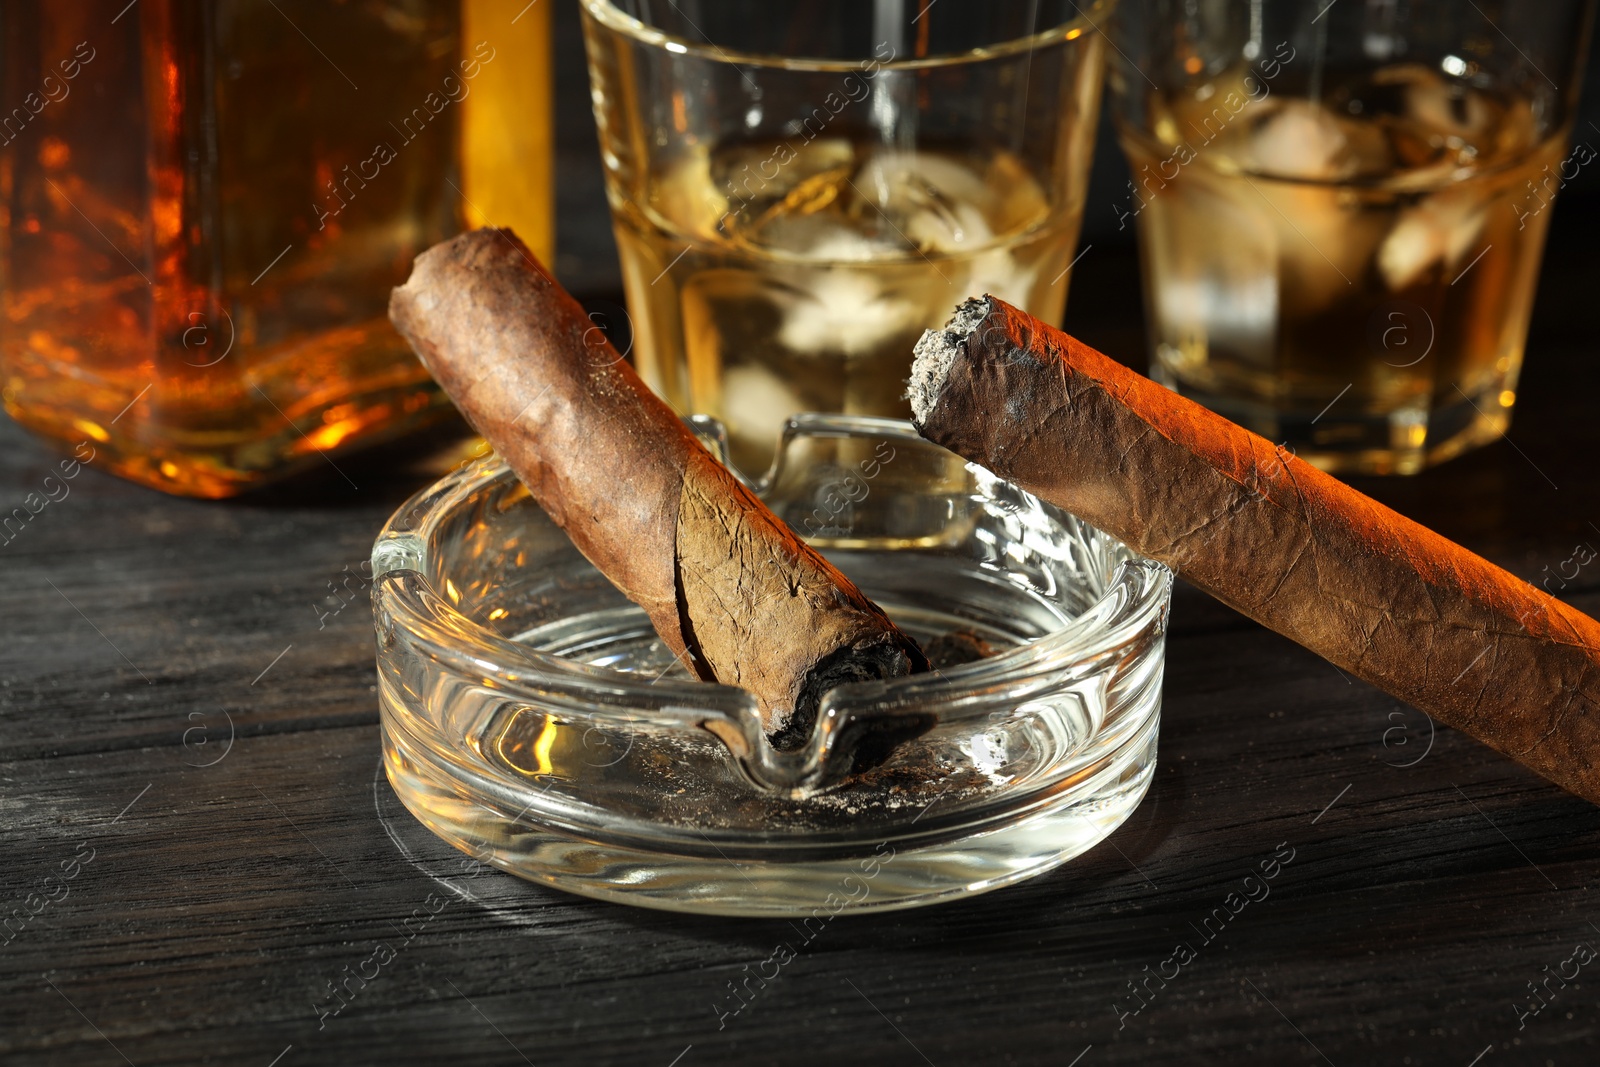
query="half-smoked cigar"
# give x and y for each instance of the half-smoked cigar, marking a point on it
(1266, 533)
(736, 595)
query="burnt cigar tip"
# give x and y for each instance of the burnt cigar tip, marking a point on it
(937, 351)
(870, 662)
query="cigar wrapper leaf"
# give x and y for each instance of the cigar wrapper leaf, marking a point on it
(736, 595)
(1379, 596)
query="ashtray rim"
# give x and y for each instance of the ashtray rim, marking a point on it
(1133, 598)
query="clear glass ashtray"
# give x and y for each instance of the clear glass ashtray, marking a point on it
(532, 717)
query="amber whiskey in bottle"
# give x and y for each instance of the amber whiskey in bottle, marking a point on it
(206, 203)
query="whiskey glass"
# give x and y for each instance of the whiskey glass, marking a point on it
(1341, 209)
(798, 191)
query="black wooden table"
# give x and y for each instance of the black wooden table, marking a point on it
(189, 783)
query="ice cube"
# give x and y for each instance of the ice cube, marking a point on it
(1414, 246)
(822, 238)
(1217, 246)
(768, 170)
(1214, 114)
(1299, 152)
(747, 185)
(1440, 231)
(935, 204)
(1301, 139)
(1298, 140)
(1436, 104)
(998, 273)
(755, 405)
(842, 311)
(947, 227)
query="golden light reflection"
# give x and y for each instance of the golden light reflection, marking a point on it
(93, 429)
(542, 746)
(519, 747)
(328, 437)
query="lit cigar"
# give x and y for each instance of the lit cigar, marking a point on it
(1376, 594)
(736, 595)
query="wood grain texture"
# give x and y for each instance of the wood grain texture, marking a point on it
(1420, 902)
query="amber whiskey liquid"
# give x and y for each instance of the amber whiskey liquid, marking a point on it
(767, 280)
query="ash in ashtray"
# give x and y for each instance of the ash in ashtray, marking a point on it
(956, 648)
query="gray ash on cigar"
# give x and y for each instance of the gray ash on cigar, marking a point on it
(935, 353)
